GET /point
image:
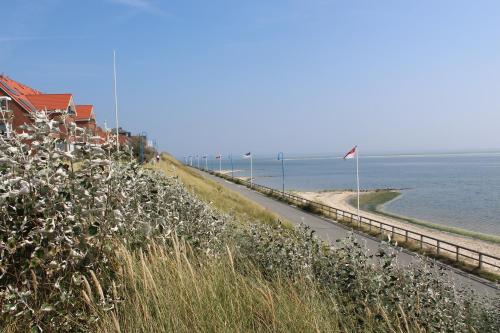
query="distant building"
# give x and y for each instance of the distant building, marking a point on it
(53, 103)
(57, 105)
(24, 101)
(123, 135)
(19, 107)
(85, 117)
(102, 134)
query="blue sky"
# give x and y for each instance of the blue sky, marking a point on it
(300, 76)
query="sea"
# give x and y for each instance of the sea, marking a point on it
(458, 190)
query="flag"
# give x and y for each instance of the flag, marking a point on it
(247, 155)
(218, 156)
(351, 153)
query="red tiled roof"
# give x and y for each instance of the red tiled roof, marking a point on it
(18, 87)
(84, 112)
(31, 100)
(18, 91)
(50, 101)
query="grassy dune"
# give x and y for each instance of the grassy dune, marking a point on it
(374, 201)
(232, 203)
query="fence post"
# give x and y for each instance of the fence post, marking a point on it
(392, 232)
(480, 260)
(421, 241)
(406, 236)
(370, 224)
(458, 250)
(437, 249)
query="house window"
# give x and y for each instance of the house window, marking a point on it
(4, 129)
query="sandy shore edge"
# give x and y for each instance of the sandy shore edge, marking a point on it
(340, 200)
(228, 172)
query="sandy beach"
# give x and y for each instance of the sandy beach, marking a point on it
(228, 172)
(340, 200)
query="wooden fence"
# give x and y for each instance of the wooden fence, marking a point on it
(423, 242)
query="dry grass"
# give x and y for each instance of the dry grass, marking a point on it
(176, 292)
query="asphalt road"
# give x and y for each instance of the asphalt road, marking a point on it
(330, 231)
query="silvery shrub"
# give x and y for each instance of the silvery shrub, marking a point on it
(62, 214)
(352, 275)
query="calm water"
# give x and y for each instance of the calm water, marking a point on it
(456, 190)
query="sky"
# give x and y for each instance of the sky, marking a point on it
(298, 76)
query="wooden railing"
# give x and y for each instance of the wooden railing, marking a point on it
(423, 242)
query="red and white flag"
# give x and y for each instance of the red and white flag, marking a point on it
(351, 153)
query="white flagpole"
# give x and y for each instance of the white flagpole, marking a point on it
(220, 163)
(206, 163)
(116, 101)
(357, 180)
(251, 171)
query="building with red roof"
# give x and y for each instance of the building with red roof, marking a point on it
(30, 100)
(18, 108)
(52, 102)
(84, 112)
(102, 134)
(24, 101)
(85, 117)
(21, 101)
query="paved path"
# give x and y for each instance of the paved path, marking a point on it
(331, 231)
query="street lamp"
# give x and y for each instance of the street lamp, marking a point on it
(143, 138)
(232, 166)
(280, 157)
